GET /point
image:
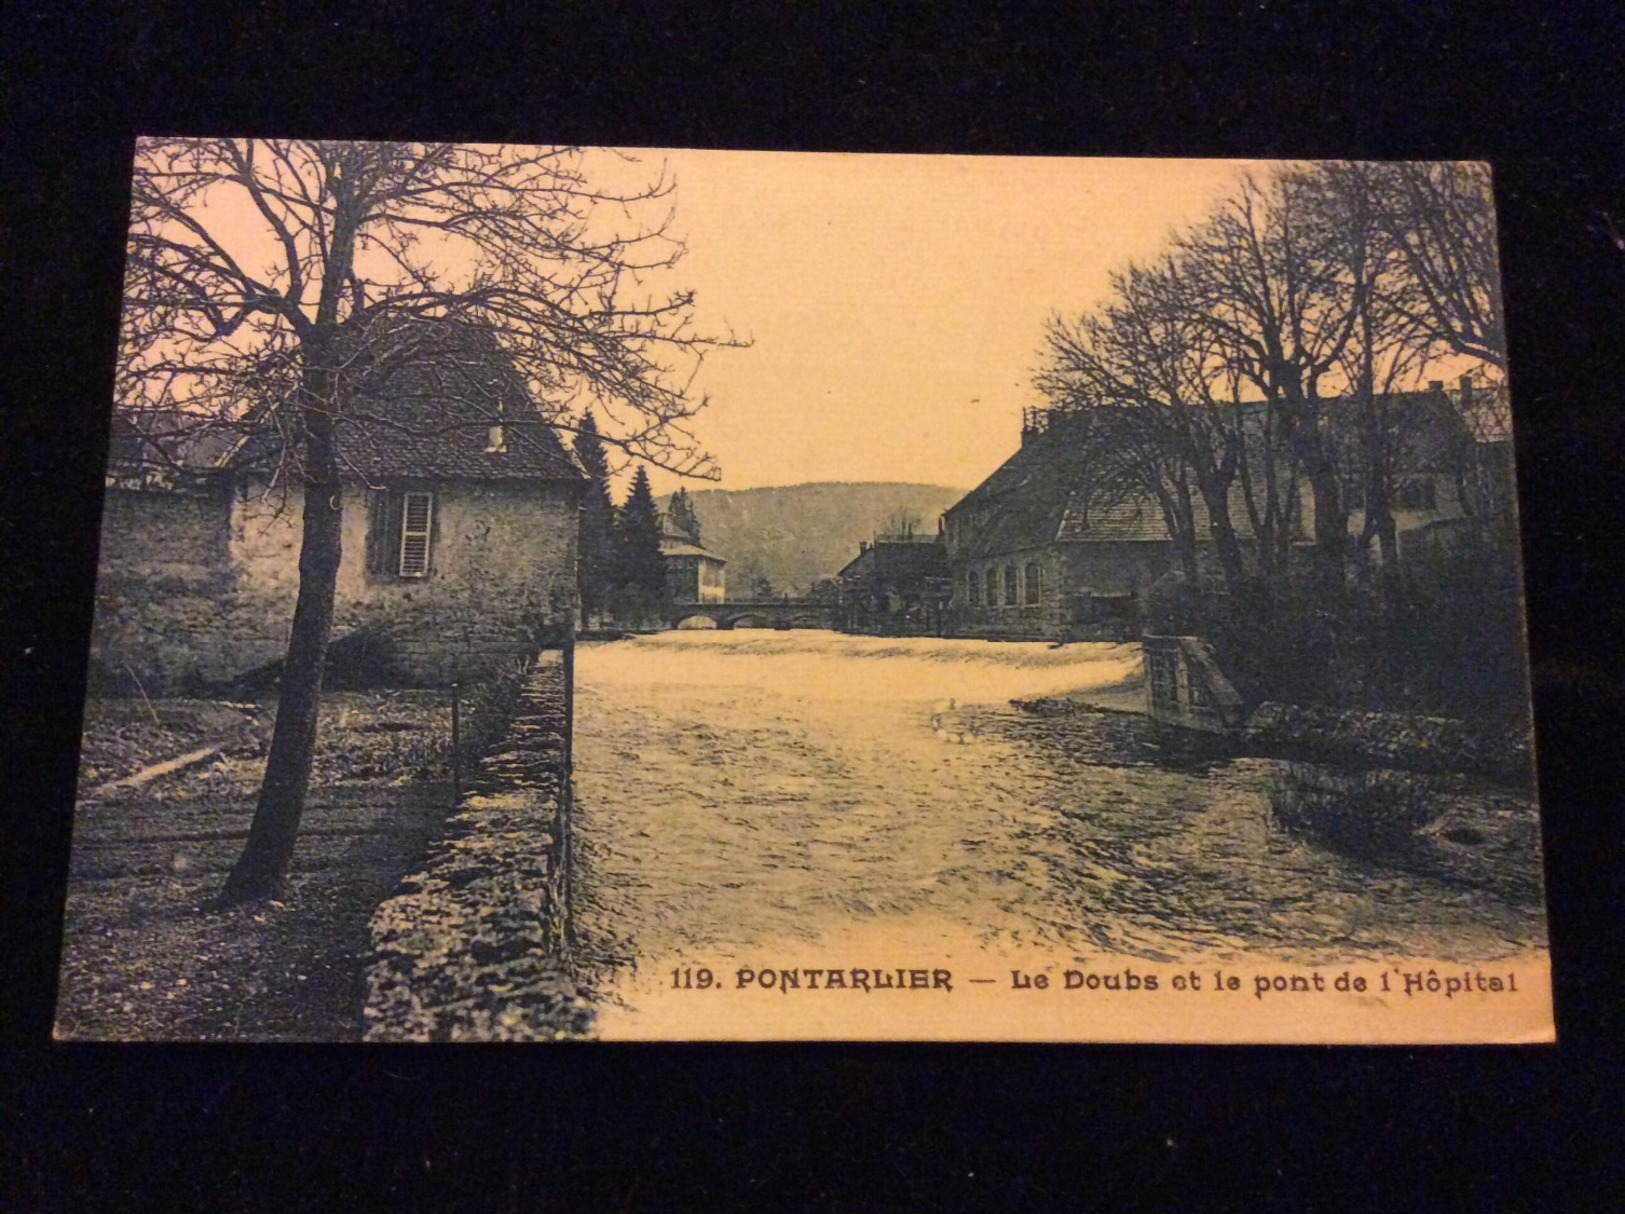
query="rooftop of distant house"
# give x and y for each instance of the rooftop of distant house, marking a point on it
(670, 546)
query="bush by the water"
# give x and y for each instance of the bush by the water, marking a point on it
(1362, 811)
(1440, 632)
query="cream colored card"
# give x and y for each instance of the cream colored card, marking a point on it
(668, 595)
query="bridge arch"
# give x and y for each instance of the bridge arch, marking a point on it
(767, 613)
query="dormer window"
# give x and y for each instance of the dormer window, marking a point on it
(496, 442)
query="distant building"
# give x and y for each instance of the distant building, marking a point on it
(1031, 556)
(1030, 559)
(693, 573)
(1451, 462)
(459, 542)
(895, 587)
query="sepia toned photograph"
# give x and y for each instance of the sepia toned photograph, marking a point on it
(554, 594)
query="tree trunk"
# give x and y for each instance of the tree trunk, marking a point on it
(1216, 496)
(264, 862)
(1309, 454)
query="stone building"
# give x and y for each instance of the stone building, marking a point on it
(1033, 555)
(895, 587)
(694, 574)
(459, 535)
(1449, 461)
(1031, 559)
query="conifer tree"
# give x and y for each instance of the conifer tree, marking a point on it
(641, 573)
(681, 518)
(596, 561)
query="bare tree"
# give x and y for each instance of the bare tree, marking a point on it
(1388, 347)
(1269, 275)
(1115, 442)
(258, 269)
(900, 524)
(1167, 402)
(1323, 290)
(1441, 218)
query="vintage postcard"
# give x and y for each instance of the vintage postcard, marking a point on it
(577, 593)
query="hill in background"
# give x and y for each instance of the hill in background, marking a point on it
(795, 534)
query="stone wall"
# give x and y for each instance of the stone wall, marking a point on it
(1184, 686)
(1108, 569)
(1500, 749)
(474, 947)
(199, 589)
(1022, 619)
(168, 616)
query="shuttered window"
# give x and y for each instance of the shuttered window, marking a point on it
(416, 512)
(400, 529)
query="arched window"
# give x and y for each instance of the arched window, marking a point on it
(1010, 586)
(973, 588)
(992, 587)
(1033, 590)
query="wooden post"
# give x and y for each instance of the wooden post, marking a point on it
(567, 660)
(456, 750)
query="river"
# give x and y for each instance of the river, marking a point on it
(752, 792)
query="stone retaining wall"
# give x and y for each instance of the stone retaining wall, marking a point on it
(473, 947)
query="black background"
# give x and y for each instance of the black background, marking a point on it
(800, 1126)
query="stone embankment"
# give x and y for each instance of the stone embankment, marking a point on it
(474, 946)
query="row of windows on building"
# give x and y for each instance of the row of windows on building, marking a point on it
(1006, 585)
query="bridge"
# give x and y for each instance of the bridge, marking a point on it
(759, 613)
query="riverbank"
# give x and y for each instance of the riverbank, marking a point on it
(146, 953)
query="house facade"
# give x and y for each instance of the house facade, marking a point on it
(1032, 555)
(458, 543)
(1451, 461)
(895, 587)
(694, 574)
(1030, 559)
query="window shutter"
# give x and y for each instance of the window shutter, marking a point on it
(416, 516)
(379, 549)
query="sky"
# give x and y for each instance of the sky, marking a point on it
(896, 304)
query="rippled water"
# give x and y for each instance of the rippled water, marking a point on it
(744, 789)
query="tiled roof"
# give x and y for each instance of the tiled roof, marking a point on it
(1037, 497)
(670, 547)
(430, 416)
(1140, 518)
(1020, 505)
(166, 438)
(882, 558)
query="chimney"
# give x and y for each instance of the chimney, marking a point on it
(1466, 393)
(1436, 386)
